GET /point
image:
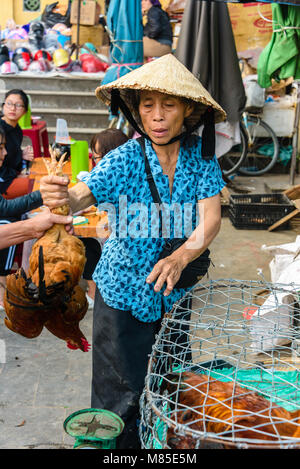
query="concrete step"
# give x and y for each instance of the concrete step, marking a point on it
(66, 99)
(46, 83)
(71, 98)
(78, 118)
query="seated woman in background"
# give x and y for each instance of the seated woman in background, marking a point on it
(12, 183)
(158, 36)
(102, 143)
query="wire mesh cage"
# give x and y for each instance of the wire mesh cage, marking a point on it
(224, 370)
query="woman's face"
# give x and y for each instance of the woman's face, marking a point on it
(13, 107)
(146, 5)
(162, 115)
(3, 151)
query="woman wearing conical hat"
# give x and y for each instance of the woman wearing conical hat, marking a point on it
(135, 285)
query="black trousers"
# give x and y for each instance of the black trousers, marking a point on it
(92, 254)
(121, 349)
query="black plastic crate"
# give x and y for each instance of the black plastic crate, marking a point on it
(258, 211)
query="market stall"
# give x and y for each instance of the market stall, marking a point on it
(70, 41)
(61, 40)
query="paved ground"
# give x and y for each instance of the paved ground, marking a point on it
(42, 381)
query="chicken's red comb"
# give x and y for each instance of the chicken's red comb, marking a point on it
(86, 345)
(72, 346)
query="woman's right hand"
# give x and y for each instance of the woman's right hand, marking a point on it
(54, 191)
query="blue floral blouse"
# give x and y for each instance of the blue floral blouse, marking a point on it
(120, 187)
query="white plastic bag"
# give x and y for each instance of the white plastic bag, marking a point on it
(255, 94)
(271, 324)
(284, 255)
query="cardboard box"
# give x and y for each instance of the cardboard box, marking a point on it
(251, 24)
(94, 34)
(104, 50)
(89, 12)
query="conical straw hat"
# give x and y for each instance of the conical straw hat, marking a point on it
(166, 75)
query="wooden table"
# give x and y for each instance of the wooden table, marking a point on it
(38, 169)
(97, 226)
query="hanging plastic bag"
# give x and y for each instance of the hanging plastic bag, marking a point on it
(50, 18)
(91, 64)
(255, 94)
(36, 36)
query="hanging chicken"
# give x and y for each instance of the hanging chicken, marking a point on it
(50, 295)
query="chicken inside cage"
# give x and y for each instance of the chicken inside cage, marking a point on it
(226, 372)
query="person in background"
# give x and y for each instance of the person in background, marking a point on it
(105, 141)
(158, 36)
(102, 143)
(12, 183)
(13, 231)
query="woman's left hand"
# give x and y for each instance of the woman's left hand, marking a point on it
(28, 154)
(167, 270)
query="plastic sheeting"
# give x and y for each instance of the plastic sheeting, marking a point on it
(207, 48)
(124, 21)
(280, 58)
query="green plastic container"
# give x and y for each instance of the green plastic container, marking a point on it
(94, 428)
(25, 121)
(79, 158)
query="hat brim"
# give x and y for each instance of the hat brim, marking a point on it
(168, 76)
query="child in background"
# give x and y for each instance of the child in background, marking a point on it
(105, 141)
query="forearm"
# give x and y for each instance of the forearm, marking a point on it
(20, 205)
(80, 197)
(199, 241)
(207, 229)
(16, 233)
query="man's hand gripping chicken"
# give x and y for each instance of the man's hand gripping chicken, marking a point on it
(50, 295)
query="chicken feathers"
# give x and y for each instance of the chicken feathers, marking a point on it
(227, 409)
(50, 296)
